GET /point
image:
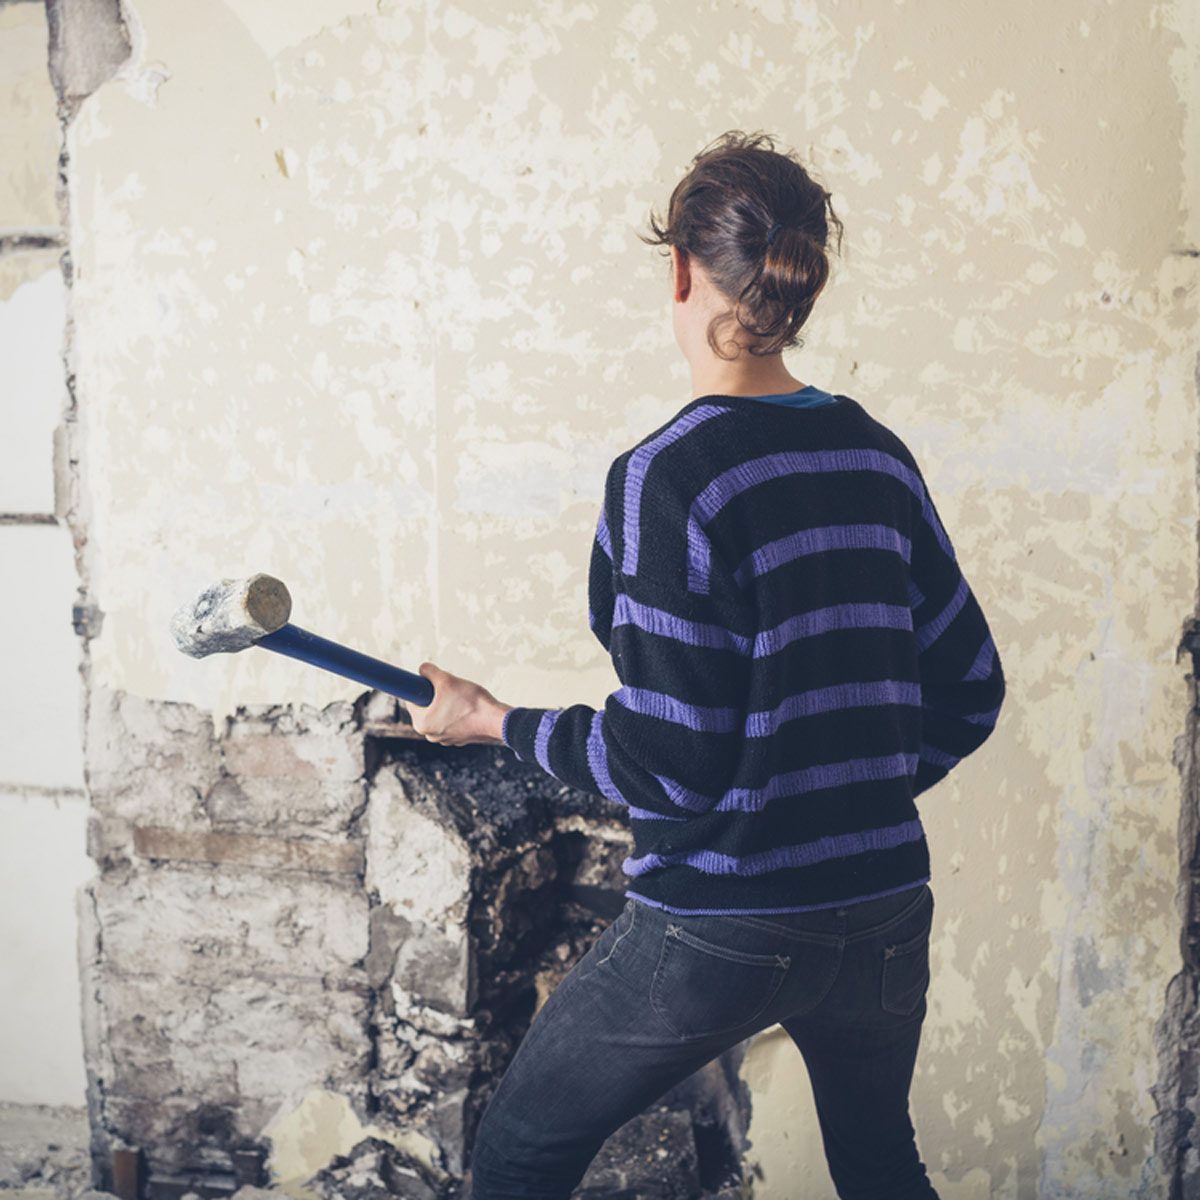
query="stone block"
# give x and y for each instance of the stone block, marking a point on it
(291, 771)
(203, 926)
(297, 746)
(420, 869)
(248, 850)
(184, 1055)
(150, 761)
(418, 862)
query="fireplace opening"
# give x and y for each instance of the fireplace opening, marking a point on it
(316, 941)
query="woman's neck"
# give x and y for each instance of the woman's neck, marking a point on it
(743, 377)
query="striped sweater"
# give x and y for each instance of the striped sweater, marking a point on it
(800, 657)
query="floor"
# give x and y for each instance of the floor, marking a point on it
(43, 1152)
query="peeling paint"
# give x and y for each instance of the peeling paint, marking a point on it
(29, 134)
(372, 317)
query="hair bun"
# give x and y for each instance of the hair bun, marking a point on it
(722, 214)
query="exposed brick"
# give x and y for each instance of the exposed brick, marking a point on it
(283, 854)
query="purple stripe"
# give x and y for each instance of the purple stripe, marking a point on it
(745, 475)
(984, 718)
(750, 912)
(603, 536)
(695, 716)
(819, 541)
(639, 465)
(981, 668)
(878, 769)
(915, 597)
(831, 699)
(807, 854)
(648, 814)
(932, 630)
(642, 814)
(827, 620)
(541, 740)
(597, 756)
(700, 556)
(939, 758)
(931, 519)
(684, 797)
(707, 719)
(657, 620)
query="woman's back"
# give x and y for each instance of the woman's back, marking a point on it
(774, 585)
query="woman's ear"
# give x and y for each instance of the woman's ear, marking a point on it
(681, 274)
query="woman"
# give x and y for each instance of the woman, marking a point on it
(800, 657)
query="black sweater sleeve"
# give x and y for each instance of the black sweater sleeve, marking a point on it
(962, 681)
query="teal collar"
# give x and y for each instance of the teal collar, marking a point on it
(806, 397)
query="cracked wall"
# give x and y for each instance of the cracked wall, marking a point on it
(357, 300)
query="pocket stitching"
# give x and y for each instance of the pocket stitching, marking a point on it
(781, 963)
(727, 953)
(893, 953)
(907, 947)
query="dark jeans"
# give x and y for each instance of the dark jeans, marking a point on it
(659, 994)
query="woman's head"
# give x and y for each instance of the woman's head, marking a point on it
(720, 217)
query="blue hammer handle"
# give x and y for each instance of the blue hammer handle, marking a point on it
(341, 660)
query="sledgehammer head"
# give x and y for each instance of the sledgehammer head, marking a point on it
(231, 615)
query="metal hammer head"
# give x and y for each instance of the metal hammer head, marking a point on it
(231, 615)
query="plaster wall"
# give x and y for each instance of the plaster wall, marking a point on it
(29, 136)
(358, 301)
(43, 812)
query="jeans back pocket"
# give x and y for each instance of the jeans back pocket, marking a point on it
(700, 989)
(906, 971)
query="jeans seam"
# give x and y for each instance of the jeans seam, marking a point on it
(620, 937)
(826, 937)
(902, 915)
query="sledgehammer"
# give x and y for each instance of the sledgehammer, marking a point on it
(235, 613)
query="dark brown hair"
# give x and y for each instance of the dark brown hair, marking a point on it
(721, 213)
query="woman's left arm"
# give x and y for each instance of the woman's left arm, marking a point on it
(668, 741)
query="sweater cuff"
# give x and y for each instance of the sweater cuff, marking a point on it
(519, 731)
